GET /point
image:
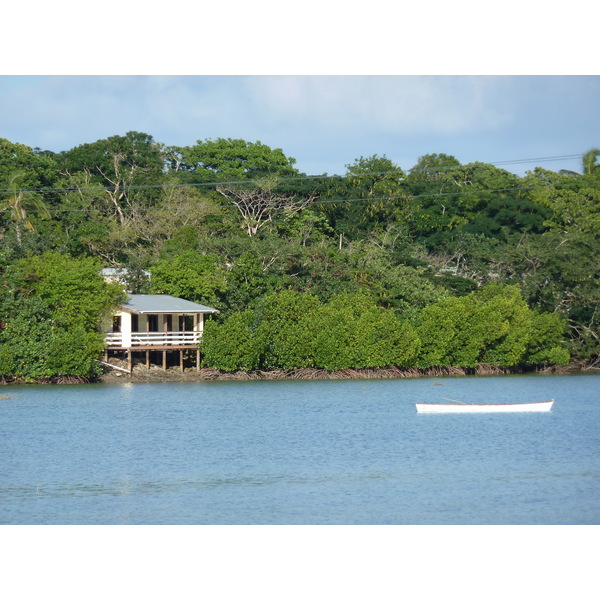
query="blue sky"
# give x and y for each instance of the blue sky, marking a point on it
(324, 122)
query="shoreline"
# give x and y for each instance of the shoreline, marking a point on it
(157, 375)
(154, 374)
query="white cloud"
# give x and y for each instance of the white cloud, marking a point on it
(324, 122)
(401, 105)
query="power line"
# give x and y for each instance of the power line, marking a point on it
(436, 169)
(543, 159)
(370, 199)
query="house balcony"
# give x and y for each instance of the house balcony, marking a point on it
(153, 340)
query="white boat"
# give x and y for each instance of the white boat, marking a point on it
(461, 407)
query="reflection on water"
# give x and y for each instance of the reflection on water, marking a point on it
(119, 488)
(347, 452)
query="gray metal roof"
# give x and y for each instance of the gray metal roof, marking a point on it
(161, 303)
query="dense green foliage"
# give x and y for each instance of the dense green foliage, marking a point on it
(51, 308)
(291, 330)
(440, 264)
(196, 277)
(492, 326)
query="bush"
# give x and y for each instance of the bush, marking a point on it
(285, 326)
(546, 346)
(491, 326)
(352, 332)
(232, 345)
(51, 308)
(293, 330)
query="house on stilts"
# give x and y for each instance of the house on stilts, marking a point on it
(156, 328)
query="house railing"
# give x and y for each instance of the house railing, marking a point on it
(152, 338)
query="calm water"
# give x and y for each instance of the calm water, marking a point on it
(343, 452)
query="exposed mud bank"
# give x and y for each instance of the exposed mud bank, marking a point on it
(155, 374)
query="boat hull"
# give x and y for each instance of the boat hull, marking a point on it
(430, 407)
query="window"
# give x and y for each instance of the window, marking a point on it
(186, 323)
(152, 322)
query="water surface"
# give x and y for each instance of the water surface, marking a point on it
(300, 452)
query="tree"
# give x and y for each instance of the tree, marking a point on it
(491, 326)
(248, 278)
(407, 242)
(431, 167)
(39, 168)
(233, 345)
(573, 204)
(17, 201)
(507, 215)
(352, 332)
(51, 311)
(126, 225)
(85, 216)
(546, 344)
(590, 164)
(284, 318)
(129, 168)
(558, 272)
(230, 160)
(195, 277)
(367, 197)
(378, 267)
(25, 178)
(260, 202)
(449, 197)
(179, 213)
(292, 330)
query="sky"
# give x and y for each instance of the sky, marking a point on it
(326, 81)
(325, 122)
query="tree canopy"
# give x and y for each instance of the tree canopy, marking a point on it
(431, 265)
(51, 310)
(227, 160)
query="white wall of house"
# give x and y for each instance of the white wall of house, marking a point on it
(126, 329)
(127, 320)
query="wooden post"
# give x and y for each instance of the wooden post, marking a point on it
(181, 360)
(164, 360)
(198, 327)
(147, 359)
(129, 361)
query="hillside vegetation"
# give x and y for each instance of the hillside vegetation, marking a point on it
(440, 265)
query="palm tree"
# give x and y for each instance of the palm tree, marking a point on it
(590, 163)
(17, 201)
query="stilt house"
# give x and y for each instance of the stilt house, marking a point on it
(151, 325)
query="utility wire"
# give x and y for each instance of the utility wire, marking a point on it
(371, 199)
(436, 169)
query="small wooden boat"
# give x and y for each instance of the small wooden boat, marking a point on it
(462, 407)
